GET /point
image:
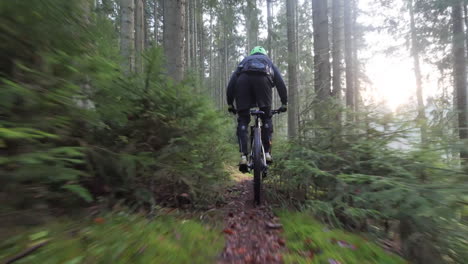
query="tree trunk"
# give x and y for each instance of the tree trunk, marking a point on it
(417, 74)
(270, 26)
(193, 26)
(337, 53)
(355, 58)
(174, 18)
(459, 75)
(139, 34)
(211, 59)
(348, 25)
(292, 70)
(321, 49)
(251, 18)
(127, 35)
(201, 41)
(155, 22)
(465, 15)
(187, 36)
(146, 17)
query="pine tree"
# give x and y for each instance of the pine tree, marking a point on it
(459, 74)
(292, 70)
(337, 26)
(321, 49)
(127, 35)
(174, 44)
(350, 68)
(139, 34)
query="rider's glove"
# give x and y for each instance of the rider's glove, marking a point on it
(283, 108)
(231, 109)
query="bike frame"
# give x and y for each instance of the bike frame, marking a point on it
(258, 124)
(257, 160)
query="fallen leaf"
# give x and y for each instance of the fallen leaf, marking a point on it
(241, 251)
(248, 259)
(281, 242)
(228, 231)
(99, 220)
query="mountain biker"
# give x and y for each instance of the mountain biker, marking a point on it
(250, 86)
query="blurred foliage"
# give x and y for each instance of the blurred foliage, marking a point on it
(74, 126)
(118, 238)
(370, 179)
(311, 242)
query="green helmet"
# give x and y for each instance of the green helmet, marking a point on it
(258, 49)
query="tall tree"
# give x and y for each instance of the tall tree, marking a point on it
(174, 18)
(321, 49)
(417, 72)
(187, 35)
(293, 120)
(465, 15)
(127, 35)
(156, 21)
(337, 52)
(251, 18)
(459, 74)
(348, 25)
(356, 36)
(269, 24)
(201, 39)
(139, 34)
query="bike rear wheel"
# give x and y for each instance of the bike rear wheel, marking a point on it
(257, 165)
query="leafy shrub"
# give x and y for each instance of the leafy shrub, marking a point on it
(362, 183)
(118, 239)
(71, 121)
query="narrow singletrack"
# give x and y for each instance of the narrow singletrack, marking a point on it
(252, 233)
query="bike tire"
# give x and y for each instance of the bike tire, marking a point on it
(257, 165)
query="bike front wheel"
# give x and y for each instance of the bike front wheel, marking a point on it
(257, 165)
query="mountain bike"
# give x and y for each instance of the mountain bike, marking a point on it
(257, 161)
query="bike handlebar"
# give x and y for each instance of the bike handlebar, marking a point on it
(277, 111)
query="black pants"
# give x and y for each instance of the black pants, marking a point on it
(243, 121)
(253, 90)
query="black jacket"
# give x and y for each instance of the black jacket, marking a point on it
(277, 81)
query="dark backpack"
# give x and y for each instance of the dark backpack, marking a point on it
(256, 64)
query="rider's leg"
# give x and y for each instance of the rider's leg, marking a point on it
(267, 129)
(263, 97)
(244, 100)
(243, 121)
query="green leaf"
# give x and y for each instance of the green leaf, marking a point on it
(80, 191)
(38, 235)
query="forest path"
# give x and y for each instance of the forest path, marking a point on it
(252, 233)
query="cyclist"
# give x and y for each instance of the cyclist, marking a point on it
(250, 86)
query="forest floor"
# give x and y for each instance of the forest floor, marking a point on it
(235, 232)
(264, 235)
(253, 234)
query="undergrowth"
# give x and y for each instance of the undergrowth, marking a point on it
(308, 241)
(118, 238)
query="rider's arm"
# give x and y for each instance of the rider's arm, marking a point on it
(280, 86)
(230, 93)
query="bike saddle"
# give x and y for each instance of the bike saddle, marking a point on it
(256, 112)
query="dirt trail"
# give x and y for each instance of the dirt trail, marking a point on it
(252, 233)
